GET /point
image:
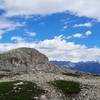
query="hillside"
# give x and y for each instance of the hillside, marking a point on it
(25, 74)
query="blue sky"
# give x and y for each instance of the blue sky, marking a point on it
(61, 29)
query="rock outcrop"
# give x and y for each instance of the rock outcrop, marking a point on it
(25, 60)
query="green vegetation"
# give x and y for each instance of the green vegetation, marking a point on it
(67, 87)
(76, 74)
(19, 90)
(97, 75)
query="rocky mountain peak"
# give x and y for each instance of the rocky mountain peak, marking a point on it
(21, 59)
(27, 55)
(26, 60)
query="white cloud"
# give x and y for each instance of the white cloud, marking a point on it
(17, 39)
(8, 25)
(0, 36)
(60, 49)
(79, 35)
(88, 8)
(65, 27)
(83, 25)
(88, 33)
(31, 33)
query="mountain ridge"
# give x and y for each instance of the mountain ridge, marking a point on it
(87, 67)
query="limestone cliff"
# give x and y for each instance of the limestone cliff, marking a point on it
(25, 60)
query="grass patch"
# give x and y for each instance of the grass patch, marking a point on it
(76, 74)
(97, 75)
(67, 87)
(19, 90)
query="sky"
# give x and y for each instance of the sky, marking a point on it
(64, 30)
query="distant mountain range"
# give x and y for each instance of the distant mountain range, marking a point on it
(90, 66)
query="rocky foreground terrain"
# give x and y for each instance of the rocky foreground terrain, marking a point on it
(26, 64)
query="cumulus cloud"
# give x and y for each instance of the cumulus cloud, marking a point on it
(83, 25)
(60, 49)
(65, 27)
(17, 39)
(80, 35)
(88, 33)
(77, 35)
(31, 33)
(88, 8)
(8, 25)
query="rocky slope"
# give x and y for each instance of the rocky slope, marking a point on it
(90, 86)
(34, 67)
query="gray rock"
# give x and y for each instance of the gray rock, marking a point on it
(25, 60)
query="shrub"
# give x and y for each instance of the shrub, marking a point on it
(67, 87)
(76, 74)
(15, 91)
